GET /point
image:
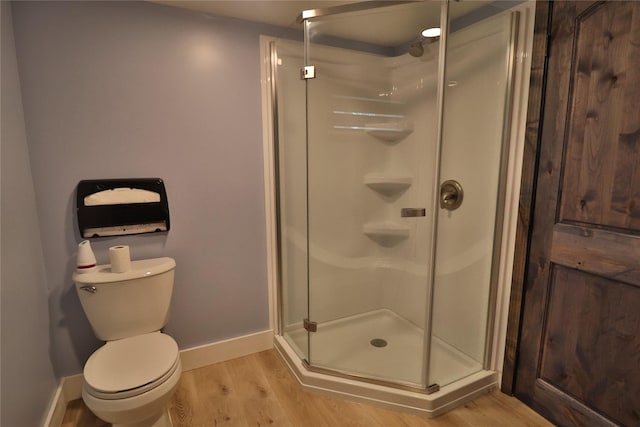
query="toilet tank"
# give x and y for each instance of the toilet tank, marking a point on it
(121, 305)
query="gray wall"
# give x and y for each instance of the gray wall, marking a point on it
(28, 380)
(133, 89)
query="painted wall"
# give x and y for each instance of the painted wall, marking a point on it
(133, 89)
(28, 380)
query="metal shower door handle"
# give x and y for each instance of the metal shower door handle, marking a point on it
(451, 195)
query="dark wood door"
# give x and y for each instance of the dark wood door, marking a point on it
(579, 352)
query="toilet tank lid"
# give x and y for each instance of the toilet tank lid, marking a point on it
(139, 269)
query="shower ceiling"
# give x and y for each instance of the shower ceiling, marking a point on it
(366, 27)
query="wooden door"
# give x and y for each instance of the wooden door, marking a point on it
(579, 352)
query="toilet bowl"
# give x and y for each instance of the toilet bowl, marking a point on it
(131, 378)
(129, 382)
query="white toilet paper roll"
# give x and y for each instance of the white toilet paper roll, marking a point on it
(120, 259)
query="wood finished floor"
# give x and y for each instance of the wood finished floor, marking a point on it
(258, 390)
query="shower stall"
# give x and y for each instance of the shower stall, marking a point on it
(392, 143)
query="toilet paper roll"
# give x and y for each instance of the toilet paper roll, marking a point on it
(120, 259)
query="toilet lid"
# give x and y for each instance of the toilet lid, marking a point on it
(130, 362)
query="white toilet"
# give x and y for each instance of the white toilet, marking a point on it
(129, 380)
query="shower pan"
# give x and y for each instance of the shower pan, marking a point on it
(391, 158)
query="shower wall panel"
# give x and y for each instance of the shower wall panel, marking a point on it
(404, 274)
(354, 273)
(343, 260)
(362, 93)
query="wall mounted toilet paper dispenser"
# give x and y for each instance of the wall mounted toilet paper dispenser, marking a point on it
(115, 207)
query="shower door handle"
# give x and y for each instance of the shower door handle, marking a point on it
(451, 195)
(410, 212)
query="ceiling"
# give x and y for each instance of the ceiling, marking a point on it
(278, 12)
(376, 26)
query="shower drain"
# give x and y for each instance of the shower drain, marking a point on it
(378, 342)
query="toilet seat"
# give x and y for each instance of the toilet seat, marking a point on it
(131, 366)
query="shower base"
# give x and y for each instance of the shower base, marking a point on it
(345, 347)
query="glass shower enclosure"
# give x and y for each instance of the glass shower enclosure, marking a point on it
(390, 154)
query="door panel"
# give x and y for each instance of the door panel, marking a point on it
(591, 341)
(579, 358)
(601, 182)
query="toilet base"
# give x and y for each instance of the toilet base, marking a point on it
(162, 420)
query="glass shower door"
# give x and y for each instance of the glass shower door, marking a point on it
(477, 103)
(286, 60)
(372, 132)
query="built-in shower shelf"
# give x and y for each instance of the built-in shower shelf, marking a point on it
(386, 233)
(379, 99)
(387, 185)
(390, 132)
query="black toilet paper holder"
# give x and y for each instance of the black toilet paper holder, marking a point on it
(116, 207)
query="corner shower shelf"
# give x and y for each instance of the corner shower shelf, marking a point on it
(387, 185)
(390, 132)
(386, 233)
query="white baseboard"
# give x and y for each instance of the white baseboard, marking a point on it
(70, 388)
(57, 407)
(208, 354)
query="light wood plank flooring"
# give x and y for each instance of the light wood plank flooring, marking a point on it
(258, 390)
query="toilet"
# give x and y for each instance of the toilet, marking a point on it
(131, 378)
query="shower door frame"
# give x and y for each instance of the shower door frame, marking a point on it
(272, 214)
